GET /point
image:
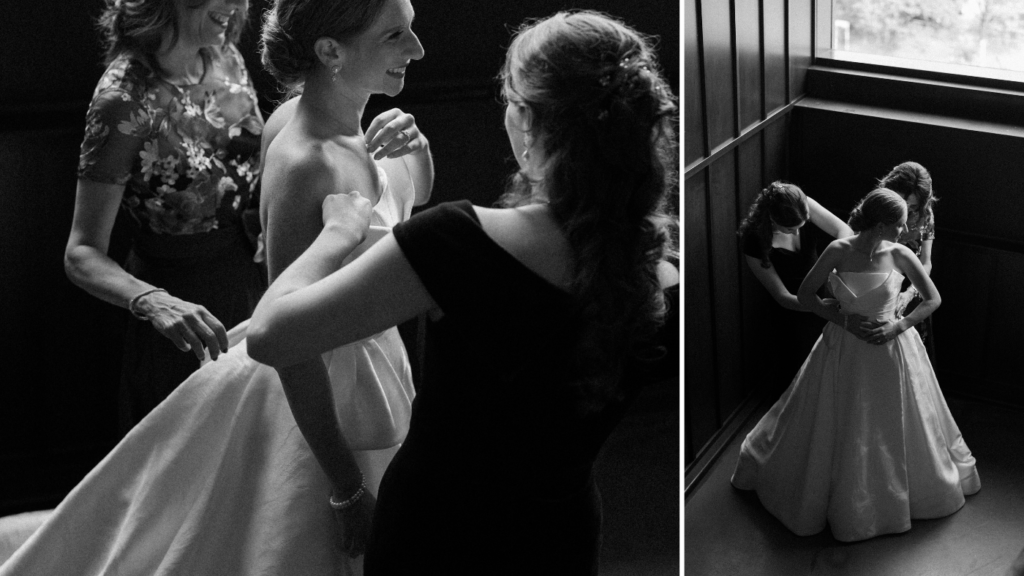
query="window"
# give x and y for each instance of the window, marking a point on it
(976, 33)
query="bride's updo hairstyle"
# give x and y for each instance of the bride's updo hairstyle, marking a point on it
(880, 206)
(604, 116)
(292, 27)
(781, 202)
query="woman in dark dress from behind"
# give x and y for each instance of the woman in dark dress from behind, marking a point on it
(549, 309)
(780, 249)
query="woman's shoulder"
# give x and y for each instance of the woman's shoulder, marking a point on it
(125, 79)
(533, 236)
(900, 250)
(752, 244)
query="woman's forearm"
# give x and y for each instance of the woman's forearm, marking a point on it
(922, 311)
(814, 304)
(99, 275)
(790, 302)
(273, 321)
(307, 387)
(421, 169)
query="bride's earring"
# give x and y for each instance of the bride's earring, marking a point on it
(527, 144)
(334, 73)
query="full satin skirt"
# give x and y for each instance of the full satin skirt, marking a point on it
(218, 479)
(862, 439)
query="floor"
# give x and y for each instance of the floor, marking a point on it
(638, 475)
(727, 531)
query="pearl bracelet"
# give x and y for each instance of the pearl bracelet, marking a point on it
(351, 500)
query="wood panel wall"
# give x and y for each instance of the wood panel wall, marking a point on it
(60, 348)
(847, 134)
(745, 65)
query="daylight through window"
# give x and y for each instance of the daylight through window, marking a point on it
(985, 33)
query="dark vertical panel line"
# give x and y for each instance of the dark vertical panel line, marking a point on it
(734, 46)
(702, 73)
(764, 158)
(764, 64)
(814, 32)
(787, 51)
(739, 263)
(708, 182)
(788, 127)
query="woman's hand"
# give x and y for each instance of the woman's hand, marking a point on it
(348, 212)
(189, 326)
(853, 323)
(884, 332)
(859, 326)
(393, 134)
(903, 300)
(355, 522)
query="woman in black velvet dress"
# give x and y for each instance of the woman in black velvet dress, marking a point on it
(780, 249)
(548, 311)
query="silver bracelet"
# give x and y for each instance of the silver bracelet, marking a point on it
(351, 500)
(135, 300)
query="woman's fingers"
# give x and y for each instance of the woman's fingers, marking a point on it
(393, 134)
(192, 327)
(210, 331)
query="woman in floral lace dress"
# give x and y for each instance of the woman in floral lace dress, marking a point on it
(172, 139)
(914, 184)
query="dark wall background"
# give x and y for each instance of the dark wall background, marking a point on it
(59, 347)
(746, 65)
(858, 122)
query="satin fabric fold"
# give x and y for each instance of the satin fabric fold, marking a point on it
(862, 439)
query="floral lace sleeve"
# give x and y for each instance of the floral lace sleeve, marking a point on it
(928, 230)
(116, 127)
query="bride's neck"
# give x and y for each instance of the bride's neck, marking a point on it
(337, 111)
(866, 243)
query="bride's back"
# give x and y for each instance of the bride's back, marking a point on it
(300, 168)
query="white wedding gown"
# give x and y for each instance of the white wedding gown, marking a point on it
(218, 479)
(862, 438)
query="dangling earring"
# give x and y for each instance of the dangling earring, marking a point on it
(334, 73)
(527, 144)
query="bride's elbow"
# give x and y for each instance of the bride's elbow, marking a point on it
(261, 344)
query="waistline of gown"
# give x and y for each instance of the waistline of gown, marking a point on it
(184, 248)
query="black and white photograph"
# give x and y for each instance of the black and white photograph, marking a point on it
(852, 262)
(341, 287)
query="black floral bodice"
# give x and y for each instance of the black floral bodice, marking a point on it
(187, 155)
(920, 230)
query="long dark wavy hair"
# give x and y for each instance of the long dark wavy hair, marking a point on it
(136, 28)
(782, 202)
(605, 118)
(292, 27)
(912, 178)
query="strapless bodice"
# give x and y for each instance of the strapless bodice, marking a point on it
(870, 294)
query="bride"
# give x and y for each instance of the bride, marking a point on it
(862, 439)
(222, 478)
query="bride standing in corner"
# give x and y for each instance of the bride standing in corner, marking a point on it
(862, 439)
(222, 478)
